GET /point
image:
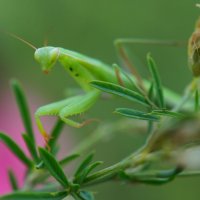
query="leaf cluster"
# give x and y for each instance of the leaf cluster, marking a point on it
(43, 163)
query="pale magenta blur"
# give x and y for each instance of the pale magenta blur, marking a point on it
(10, 123)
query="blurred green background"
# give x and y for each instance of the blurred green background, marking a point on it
(90, 27)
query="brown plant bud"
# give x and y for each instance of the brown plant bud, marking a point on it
(176, 134)
(194, 50)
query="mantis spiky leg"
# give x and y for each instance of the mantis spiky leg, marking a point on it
(78, 105)
(52, 110)
(120, 46)
(66, 108)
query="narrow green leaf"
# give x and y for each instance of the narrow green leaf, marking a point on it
(40, 165)
(162, 177)
(123, 175)
(68, 159)
(167, 113)
(84, 164)
(54, 167)
(75, 196)
(23, 107)
(62, 162)
(93, 166)
(31, 147)
(15, 149)
(154, 181)
(80, 178)
(196, 101)
(170, 173)
(151, 92)
(120, 91)
(156, 79)
(155, 178)
(13, 180)
(55, 134)
(136, 114)
(85, 195)
(35, 196)
(149, 127)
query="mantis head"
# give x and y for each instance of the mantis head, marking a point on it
(47, 57)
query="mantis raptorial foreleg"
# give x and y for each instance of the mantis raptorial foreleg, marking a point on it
(52, 109)
(65, 109)
(78, 105)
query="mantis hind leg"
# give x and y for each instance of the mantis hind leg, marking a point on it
(121, 42)
(78, 105)
(122, 51)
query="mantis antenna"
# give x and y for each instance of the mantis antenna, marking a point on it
(20, 39)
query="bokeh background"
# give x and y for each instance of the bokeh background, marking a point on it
(90, 27)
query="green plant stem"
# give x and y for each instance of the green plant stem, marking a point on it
(187, 95)
(150, 174)
(102, 132)
(105, 131)
(132, 161)
(172, 97)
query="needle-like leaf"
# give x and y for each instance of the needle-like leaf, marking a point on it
(84, 195)
(86, 171)
(156, 79)
(136, 114)
(35, 195)
(168, 113)
(54, 167)
(31, 147)
(15, 149)
(55, 134)
(196, 101)
(23, 107)
(84, 164)
(68, 159)
(13, 180)
(120, 91)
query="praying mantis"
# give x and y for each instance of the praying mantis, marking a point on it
(84, 70)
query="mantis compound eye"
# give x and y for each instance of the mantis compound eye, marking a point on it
(54, 54)
(37, 55)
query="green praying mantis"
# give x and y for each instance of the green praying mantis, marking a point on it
(84, 70)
